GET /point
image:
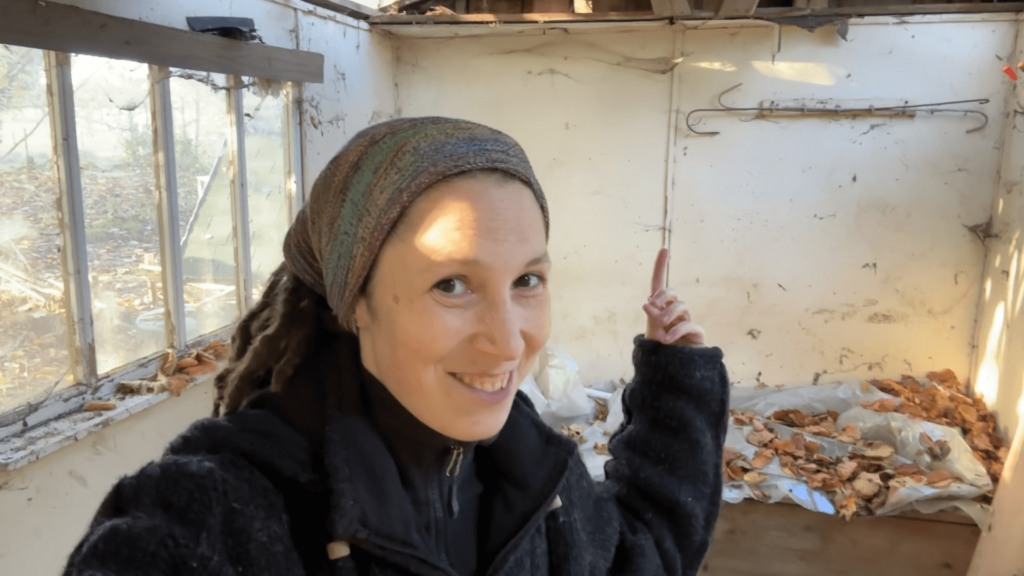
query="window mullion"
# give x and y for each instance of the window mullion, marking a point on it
(165, 170)
(71, 212)
(239, 195)
(293, 149)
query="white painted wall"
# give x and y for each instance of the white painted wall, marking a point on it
(770, 232)
(46, 506)
(841, 241)
(999, 366)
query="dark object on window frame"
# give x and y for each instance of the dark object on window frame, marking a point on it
(243, 29)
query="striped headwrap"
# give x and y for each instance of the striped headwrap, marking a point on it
(359, 197)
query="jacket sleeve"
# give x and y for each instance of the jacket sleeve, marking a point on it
(206, 515)
(666, 473)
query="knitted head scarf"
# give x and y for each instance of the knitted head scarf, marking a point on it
(360, 195)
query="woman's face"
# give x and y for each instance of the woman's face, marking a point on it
(457, 307)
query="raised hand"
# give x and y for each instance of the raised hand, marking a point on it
(668, 319)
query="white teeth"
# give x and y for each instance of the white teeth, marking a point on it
(485, 383)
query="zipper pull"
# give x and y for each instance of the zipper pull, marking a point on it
(455, 462)
(454, 467)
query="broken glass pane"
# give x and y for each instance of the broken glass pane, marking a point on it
(115, 147)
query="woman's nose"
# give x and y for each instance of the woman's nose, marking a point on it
(500, 333)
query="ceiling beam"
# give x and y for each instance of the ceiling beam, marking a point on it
(69, 29)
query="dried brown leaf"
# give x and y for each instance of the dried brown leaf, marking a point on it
(602, 448)
(845, 470)
(867, 485)
(98, 406)
(757, 425)
(791, 417)
(754, 478)
(760, 438)
(168, 361)
(740, 420)
(734, 472)
(969, 414)
(908, 470)
(819, 431)
(849, 435)
(912, 410)
(878, 450)
(217, 349)
(940, 478)
(880, 405)
(763, 457)
(945, 378)
(201, 368)
(823, 459)
(574, 433)
(846, 504)
(175, 384)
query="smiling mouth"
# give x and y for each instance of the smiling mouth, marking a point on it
(484, 382)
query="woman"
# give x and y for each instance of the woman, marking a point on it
(369, 420)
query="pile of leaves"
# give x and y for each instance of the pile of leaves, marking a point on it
(945, 403)
(862, 482)
(175, 374)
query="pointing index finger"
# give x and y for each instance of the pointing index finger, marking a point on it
(660, 271)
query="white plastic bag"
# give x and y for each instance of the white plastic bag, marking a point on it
(557, 378)
(560, 397)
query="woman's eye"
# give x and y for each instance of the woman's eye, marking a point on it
(451, 287)
(528, 281)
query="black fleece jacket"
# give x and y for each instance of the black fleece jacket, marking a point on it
(265, 490)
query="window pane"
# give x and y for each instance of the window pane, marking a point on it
(265, 171)
(204, 193)
(33, 344)
(115, 145)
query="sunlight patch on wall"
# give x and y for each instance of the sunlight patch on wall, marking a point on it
(808, 72)
(988, 374)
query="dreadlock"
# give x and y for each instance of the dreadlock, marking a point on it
(272, 340)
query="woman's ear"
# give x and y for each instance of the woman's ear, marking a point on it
(362, 319)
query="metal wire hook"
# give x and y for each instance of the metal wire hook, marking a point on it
(930, 108)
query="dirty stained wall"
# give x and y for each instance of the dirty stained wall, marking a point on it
(837, 248)
(811, 248)
(46, 505)
(999, 366)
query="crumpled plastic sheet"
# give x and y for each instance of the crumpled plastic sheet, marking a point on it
(555, 388)
(558, 393)
(898, 430)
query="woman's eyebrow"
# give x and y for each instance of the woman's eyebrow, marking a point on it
(542, 259)
(474, 262)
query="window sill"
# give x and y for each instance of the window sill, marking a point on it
(38, 441)
(33, 431)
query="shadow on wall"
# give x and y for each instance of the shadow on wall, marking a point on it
(1000, 337)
